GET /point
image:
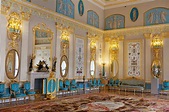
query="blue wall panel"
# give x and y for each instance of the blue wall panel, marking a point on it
(92, 18)
(114, 21)
(156, 16)
(65, 7)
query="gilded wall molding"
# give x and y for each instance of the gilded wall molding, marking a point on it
(137, 30)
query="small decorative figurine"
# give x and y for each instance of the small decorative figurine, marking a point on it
(31, 62)
(54, 64)
(42, 66)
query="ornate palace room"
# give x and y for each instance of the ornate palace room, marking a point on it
(84, 56)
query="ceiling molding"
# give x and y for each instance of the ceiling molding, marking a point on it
(108, 4)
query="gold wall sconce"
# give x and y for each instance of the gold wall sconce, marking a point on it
(64, 41)
(93, 49)
(14, 28)
(157, 45)
(114, 48)
(156, 42)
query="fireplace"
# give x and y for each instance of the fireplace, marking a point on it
(38, 86)
(36, 80)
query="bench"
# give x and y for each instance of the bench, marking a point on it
(132, 84)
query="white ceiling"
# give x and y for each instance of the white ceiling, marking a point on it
(107, 4)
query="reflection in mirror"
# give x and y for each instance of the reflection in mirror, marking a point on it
(64, 66)
(92, 68)
(12, 64)
(114, 67)
(156, 68)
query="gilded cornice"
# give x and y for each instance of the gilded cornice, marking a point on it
(93, 36)
(64, 27)
(137, 31)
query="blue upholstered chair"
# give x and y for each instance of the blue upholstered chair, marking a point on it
(110, 83)
(27, 89)
(165, 86)
(4, 93)
(99, 83)
(61, 86)
(95, 84)
(67, 84)
(73, 85)
(91, 83)
(117, 82)
(16, 91)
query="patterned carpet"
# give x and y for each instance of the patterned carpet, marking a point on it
(95, 102)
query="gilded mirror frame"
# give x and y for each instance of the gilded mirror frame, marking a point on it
(42, 39)
(8, 74)
(64, 58)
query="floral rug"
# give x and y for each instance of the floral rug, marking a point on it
(95, 102)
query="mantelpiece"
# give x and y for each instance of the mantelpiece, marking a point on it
(37, 75)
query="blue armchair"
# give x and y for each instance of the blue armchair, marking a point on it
(95, 84)
(99, 83)
(165, 86)
(110, 83)
(16, 91)
(91, 83)
(61, 86)
(27, 89)
(117, 83)
(73, 85)
(4, 93)
(67, 84)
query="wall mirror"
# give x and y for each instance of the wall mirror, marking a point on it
(92, 68)
(64, 66)
(42, 42)
(114, 68)
(12, 64)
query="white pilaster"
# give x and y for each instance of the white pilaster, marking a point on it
(71, 56)
(58, 53)
(120, 60)
(147, 61)
(165, 60)
(3, 46)
(24, 52)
